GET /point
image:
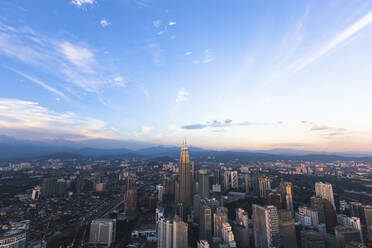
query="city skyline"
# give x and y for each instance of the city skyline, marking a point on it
(230, 75)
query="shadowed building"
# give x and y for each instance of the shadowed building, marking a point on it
(287, 229)
(265, 226)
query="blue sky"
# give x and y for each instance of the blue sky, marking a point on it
(224, 74)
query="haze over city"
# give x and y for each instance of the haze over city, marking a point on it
(252, 75)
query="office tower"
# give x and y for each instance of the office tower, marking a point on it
(325, 191)
(234, 180)
(265, 226)
(345, 234)
(196, 207)
(177, 192)
(35, 193)
(308, 217)
(353, 222)
(13, 239)
(205, 221)
(180, 211)
(286, 190)
(102, 232)
(246, 182)
(159, 212)
(184, 177)
(317, 204)
(216, 176)
(180, 233)
(164, 233)
(368, 217)
(330, 216)
(264, 185)
(203, 244)
(312, 239)
(287, 229)
(226, 180)
(275, 199)
(159, 188)
(203, 186)
(130, 200)
(241, 228)
(219, 217)
(228, 235)
(49, 186)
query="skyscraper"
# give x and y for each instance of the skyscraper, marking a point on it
(102, 232)
(205, 221)
(180, 233)
(241, 228)
(130, 200)
(287, 229)
(264, 185)
(286, 189)
(184, 177)
(203, 184)
(265, 226)
(234, 180)
(325, 191)
(164, 233)
(219, 217)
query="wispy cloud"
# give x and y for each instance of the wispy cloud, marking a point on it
(171, 23)
(188, 53)
(163, 31)
(223, 124)
(104, 22)
(69, 60)
(156, 23)
(40, 83)
(81, 3)
(156, 53)
(182, 95)
(147, 129)
(208, 56)
(319, 127)
(19, 117)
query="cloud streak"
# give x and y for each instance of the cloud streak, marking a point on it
(222, 124)
(182, 95)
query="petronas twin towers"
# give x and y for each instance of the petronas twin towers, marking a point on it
(184, 195)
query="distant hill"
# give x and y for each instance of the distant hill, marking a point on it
(11, 148)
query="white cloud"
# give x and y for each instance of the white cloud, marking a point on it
(104, 23)
(71, 61)
(208, 56)
(336, 41)
(80, 56)
(81, 3)
(165, 30)
(40, 83)
(19, 117)
(156, 23)
(146, 129)
(188, 53)
(171, 23)
(182, 95)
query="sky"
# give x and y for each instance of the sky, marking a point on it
(224, 74)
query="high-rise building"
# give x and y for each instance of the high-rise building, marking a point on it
(35, 193)
(317, 204)
(265, 226)
(184, 177)
(308, 217)
(264, 185)
(13, 239)
(203, 186)
(228, 235)
(130, 200)
(325, 191)
(205, 221)
(234, 180)
(274, 198)
(312, 239)
(203, 244)
(49, 186)
(219, 217)
(241, 228)
(345, 234)
(160, 188)
(164, 233)
(368, 217)
(287, 229)
(227, 180)
(352, 222)
(246, 182)
(330, 216)
(286, 189)
(102, 232)
(180, 233)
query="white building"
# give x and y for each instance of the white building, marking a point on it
(325, 191)
(102, 232)
(265, 226)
